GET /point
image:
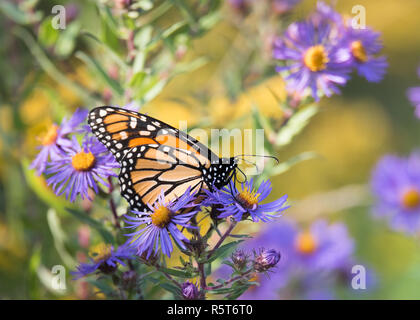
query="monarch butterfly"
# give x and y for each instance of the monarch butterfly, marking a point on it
(156, 157)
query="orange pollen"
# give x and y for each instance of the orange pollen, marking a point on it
(411, 199)
(316, 58)
(83, 161)
(305, 243)
(101, 252)
(248, 198)
(161, 217)
(358, 51)
(51, 135)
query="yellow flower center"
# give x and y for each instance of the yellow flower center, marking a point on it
(411, 198)
(358, 51)
(51, 135)
(305, 243)
(316, 58)
(248, 198)
(100, 252)
(161, 217)
(83, 161)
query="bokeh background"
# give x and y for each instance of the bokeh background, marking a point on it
(350, 133)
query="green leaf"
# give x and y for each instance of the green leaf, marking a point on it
(177, 272)
(47, 35)
(171, 288)
(67, 39)
(222, 290)
(238, 291)
(241, 236)
(174, 29)
(295, 125)
(229, 263)
(109, 34)
(18, 16)
(181, 68)
(59, 237)
(224, 250)
(150, 88)
(83, 217)
(207, 268)
(143, 37)
(137, 79)
(46, 277)
(103, 287)
(99, 70)
(112, 54)
(208, 21)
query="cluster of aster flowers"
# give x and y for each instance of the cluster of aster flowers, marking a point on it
(310, 258)
(153, 230)
(75, 162)
(316, 56)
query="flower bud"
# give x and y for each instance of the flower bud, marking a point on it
(129, 279)
(239, 258)
(266, 260)
(72, 11)
(189, 291)
(121, 4)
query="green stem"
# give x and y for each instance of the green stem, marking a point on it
(222, 238)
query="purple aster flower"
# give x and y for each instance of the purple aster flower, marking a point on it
(323, 247)
(81, 167)
(105, 259)
(189, 291)
(266, 259)
(153, 228)
(324, 13)
(396, 187)
(313, 59)
(246, 203)
(364, 45)
(56, 140)
(413, 95)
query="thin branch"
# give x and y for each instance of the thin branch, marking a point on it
(203, 284)
(222, 238)
(112, 205)
(168, 276)
(230, 280)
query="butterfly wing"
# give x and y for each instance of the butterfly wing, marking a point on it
(154, 156)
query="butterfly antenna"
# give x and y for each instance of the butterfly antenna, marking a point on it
(257, 155)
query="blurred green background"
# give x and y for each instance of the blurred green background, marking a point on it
(350, 133)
